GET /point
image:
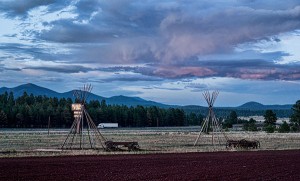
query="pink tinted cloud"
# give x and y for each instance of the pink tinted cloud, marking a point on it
(187, 36)
(261, 74)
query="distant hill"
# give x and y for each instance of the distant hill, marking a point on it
(30, 88)
(91, 96)
(247, 106)
(118, 100)
(247, 109)
(133, 101)
(259, 106)
(251, 105)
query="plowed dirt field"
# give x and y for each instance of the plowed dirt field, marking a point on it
(245, 165)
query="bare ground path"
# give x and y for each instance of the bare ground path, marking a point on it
(247, 165)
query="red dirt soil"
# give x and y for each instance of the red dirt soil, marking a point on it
(248, 165)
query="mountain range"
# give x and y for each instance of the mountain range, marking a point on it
(125, 100)
(118, 100)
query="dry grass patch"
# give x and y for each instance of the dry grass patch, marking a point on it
(151, 140)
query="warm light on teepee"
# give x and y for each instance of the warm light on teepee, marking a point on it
(83, 133)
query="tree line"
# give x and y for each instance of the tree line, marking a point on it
(224, 112)
(269, 124)
(29, 111)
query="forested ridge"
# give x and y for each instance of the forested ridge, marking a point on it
(29, 111)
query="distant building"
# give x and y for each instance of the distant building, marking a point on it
(237, 127)
(240, 127)
(259, 126)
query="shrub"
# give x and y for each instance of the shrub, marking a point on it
(284, 128)
(269, 128)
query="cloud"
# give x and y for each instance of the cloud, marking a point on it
(113, 73)
(168, 88)
(130, 78)
(61, 68)
(65, 31)
(10, 35)
(52, 79)
(269, 4)
(4, 68)
(189, 36)
(21, 51)
(87, 9)
(16, 8)
(162, 88)
(136, 32)
(12, 69)
(196, 87)
(242, 68)
(158, 40)
(254, 69)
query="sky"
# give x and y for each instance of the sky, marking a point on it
(165, 51)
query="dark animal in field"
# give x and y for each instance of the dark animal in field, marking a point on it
(232, 143)
(249, 144)
(115, 146)
(243, 143)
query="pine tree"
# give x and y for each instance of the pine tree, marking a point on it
(284, 128)
(295, 118)
(3, 119)
(270, 117)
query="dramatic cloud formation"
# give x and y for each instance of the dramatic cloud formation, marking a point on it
(156, 42)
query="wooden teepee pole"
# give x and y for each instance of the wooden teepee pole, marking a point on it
(211, 122)
(81, 122)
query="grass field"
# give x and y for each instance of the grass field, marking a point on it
(37, 142)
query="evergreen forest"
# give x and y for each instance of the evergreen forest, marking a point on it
(29, 111)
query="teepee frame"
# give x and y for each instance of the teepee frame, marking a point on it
(83, 134)
(211, 124)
